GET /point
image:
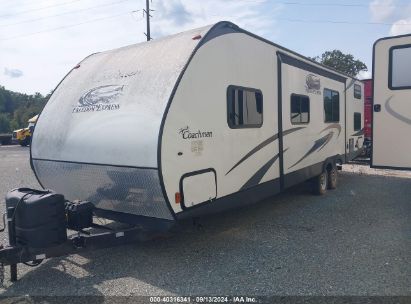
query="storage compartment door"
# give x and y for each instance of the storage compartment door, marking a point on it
(198, 187)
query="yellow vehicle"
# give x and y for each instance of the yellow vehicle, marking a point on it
(23, 136)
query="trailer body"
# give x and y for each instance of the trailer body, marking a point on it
(391, 103)
(209, 119)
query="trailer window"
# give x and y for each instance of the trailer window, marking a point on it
(300, 109)
(400, 67)
(244, 107)
(331, 106)
(357, 91)
(357, 121)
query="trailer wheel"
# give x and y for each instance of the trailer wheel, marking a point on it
(332, 177)
(320, 183)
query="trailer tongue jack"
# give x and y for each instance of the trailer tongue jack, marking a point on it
(47, 236)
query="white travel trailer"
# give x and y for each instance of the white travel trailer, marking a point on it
(195, 123)
(391, 103)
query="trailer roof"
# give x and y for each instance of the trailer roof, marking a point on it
(224, 27)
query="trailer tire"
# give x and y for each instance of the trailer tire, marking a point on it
(332, 176)
(320, 183)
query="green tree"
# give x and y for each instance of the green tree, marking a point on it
(4, 123)
(6, 101)
(17, 108)
(344, 63)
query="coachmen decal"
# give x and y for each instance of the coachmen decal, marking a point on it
(187, 134)
(101, 98)
(313, 84)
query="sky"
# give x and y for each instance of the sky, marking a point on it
(41, 40)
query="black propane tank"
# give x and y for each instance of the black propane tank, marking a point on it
(38, 216)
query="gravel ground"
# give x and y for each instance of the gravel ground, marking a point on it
(355, 240)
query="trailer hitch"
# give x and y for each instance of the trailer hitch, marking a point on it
(73, 220)
(12, 255)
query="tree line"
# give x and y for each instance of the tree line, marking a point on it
(17, 108)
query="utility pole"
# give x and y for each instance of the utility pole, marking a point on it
(147, 11)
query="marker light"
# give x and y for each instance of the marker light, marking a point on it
(178, 198)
